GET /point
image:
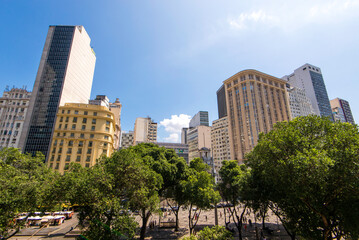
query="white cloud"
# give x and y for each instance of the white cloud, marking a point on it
(174, 125)
(291, 16)
(246, 20)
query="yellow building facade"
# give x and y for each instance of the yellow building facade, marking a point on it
(83, 132)
(255, 102)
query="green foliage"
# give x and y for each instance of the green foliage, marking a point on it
(26, 186)
(309, 170)
(216, 232)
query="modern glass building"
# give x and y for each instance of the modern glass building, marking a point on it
(200, 119)
(310, 79)
(341, 110)
(65, 75)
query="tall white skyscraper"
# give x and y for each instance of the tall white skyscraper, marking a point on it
(299, 104)
(310, 79)
(145, 130)
(64, 76)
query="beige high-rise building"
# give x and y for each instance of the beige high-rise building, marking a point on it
(197, 138)
(13, 108)
(145, 130)
(220, 143)
(83, 132)
(64, 75)
(127, 139)
(255, 102)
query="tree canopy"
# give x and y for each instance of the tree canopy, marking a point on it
(309, 168)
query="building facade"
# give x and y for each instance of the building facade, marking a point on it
(221, 102)
(180, 149)
(341, 110)
(83, 132)
(102, 100)
(127, 139)
(184, 135)
(200, 119)
(197, 138)
(299, 104)
(220, 143)
(255, 102)
(13, 108)
(64, 75)
(310, 79)
(145, 130)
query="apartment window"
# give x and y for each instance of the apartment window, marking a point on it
(54, 150)
(68, 111)
(73, 126)
(107, 122)
(76, 112)
(57, 166)
(74, 120)
(95, 113)
(88, 158)
(93, 121)
(58, 158)
(65, 126)
(62, 142)
(60, 150)
(61, 119)
(85, 113)
(72, 134)
(104, 152)
(92, 135)
(60, 125)
(63, 111)
(84, 120)
(89, 151)
(69, 150)
(82, 135)
(67, 119)
(90, 143)
(68, 157)
(93, 128)
(83, 127)
(78, 158)
(106, 137)
(81, 143)
(79, 151)
(71, 143)
(108, 115)
(87, 165)
(107, 129)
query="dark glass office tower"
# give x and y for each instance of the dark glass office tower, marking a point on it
(65, 75)
(221, 102)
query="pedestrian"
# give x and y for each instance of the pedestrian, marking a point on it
(245, 227)
(250, 222)
(206, 217)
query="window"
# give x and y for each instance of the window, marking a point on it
(105, 151)
(84, 120)
(63, 111)
(93, 121)
(74, 120)
(60, 150)
(85, 113)
(92, 135)
(90, 143)
(106, 137)
(69, 150)
(61, 119)
(93, 128)
(76, 112)
(108, 115)
(88, 158)
(87, 165)
(62, 142)
(67, 119)
(71, 143)
(95, 113)
(78, 158)
(65, 126)
(60, 125)
(54, 150)
(79, 151)
(107, 129)
(73, 126)
(72, 135)
(68, 111)
(57, 166)
(82, 135)
(89, 151)
(83, 127)
(107, 122)
(68, 157)
(81, 143)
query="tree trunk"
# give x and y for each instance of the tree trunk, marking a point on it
(189, 220)
(177, 220)
(144, 223)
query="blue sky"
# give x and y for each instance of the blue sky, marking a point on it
(166, 59)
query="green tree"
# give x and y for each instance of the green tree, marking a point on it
(216, 232)
(26, 184)
(310, 167)
(198, 193)
(233, 188)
